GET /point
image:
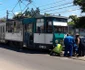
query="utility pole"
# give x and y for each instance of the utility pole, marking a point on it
(7, 13)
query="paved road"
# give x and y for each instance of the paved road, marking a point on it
(11, 59)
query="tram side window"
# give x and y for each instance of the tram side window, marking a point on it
(17, 27)
(14, 26)
(49, 28)
(9, 26)
(28, 28)
(40, 26)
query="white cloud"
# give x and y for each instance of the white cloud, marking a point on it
(82, 14)
(69, 10)
(16, 13)
(73, 14)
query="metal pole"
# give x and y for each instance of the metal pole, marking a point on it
(7, 15)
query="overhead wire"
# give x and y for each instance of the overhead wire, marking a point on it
(20, 7)
(52, 3)
(57, 6)
(25, 7)
(15, 5)
(65, 11)
(34, 5)
(19, 2)
(51, 8)
(47, 9)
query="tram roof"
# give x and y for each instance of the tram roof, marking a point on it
(52, 16)
(30, 20)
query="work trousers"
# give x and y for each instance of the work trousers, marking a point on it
(68, 48)
(81, 50)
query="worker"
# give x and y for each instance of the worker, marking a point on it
(68, 42)
(57, 49)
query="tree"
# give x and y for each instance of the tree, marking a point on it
(3, 20)
(81, 3)
(74, 20)
(27, 13)
(81, 22)
(17, 16)
(37, 11)
(32, 13)
(78, 22)
(46, 14)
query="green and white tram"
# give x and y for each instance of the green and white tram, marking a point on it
(42, 32)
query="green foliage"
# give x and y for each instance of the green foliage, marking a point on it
(71, 23)
(46, 14)
(81, 3)
(3, 20)
(77, 22)
(28, 14)
(74, 20)
(18, 16)
(32, 12)
(81, 22)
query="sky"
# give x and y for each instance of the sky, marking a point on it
(53, 7)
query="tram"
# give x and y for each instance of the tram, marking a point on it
(35, 33)
(42, 32)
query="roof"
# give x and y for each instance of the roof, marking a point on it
(42, 16)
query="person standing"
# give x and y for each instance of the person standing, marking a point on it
(82, 47)
(77, 43)
(68, 42)
(77, 39)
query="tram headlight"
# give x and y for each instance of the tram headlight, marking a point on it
(56, 41)
(24, 45)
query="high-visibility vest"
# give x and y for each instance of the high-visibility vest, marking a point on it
(58, 48)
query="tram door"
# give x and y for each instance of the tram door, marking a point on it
(28, 34)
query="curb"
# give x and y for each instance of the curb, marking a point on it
(79, 58)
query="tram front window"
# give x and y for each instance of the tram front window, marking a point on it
(40, 26)
(59, 29)
(60, 25)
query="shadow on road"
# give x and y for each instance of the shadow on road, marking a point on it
(24, 50)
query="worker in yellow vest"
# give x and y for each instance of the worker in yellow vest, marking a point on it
(57, 49)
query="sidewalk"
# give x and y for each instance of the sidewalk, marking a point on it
(79, 58)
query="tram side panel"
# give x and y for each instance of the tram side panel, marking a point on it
(2, 32)
(43, 40)
(14, 37)
(14, 33)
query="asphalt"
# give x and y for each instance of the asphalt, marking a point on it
(12, 59)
